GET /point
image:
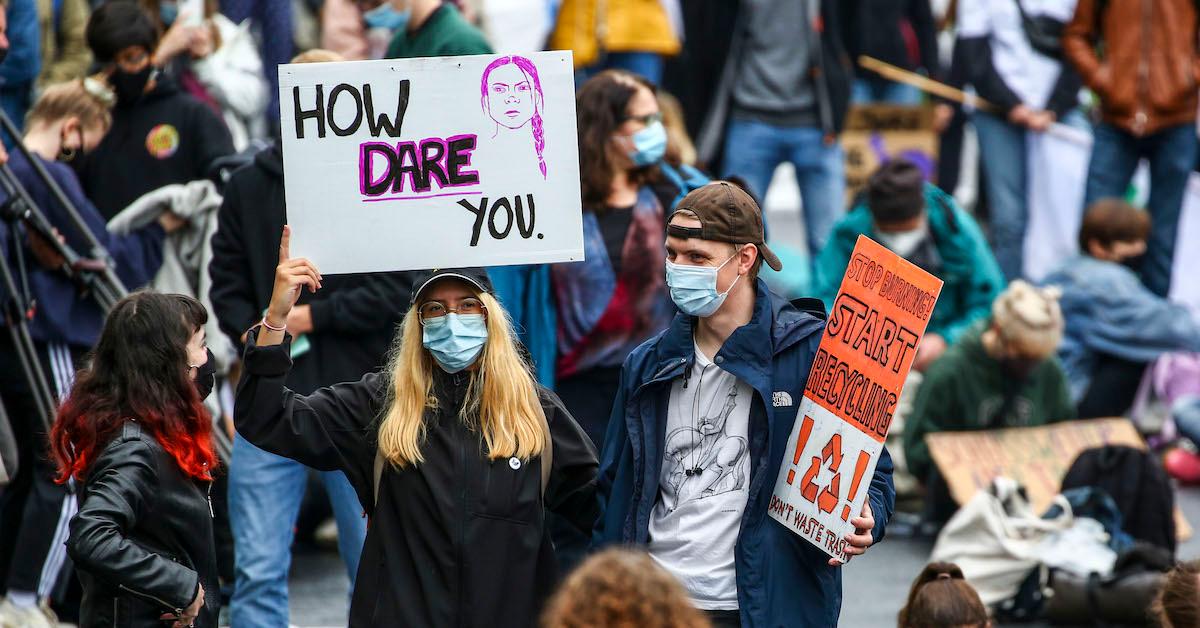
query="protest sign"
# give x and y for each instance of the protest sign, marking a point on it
(1036, 457)
(432, 162)
(877, 133)
(869, 343)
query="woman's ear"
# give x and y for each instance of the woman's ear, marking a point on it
(70, 126)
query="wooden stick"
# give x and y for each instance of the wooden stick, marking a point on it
(926, 84)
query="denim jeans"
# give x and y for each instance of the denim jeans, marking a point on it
(1172, 155)
(1186, 412)
(873, 89)
(1004, 173)
(647, 64)
(754, 149)
(264, 498)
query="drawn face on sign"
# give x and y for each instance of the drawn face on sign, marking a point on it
(510, 97)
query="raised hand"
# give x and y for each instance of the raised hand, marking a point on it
(292, 275)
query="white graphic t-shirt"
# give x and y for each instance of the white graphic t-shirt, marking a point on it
(704, 483)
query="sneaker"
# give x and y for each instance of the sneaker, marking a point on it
(26, 617)
(1183, 465)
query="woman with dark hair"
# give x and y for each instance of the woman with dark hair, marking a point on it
(134, 432)
(940, 597)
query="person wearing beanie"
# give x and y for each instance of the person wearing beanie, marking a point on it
(1001, 373)
(923, 224)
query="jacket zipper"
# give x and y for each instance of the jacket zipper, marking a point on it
(178, 611)
(462, 525)
(1139, 116)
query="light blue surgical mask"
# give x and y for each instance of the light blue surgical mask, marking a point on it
(649, 144)
(167, 12)
(455, 340)
(386, 16)
(694, 288)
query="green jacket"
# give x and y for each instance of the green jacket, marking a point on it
(964, 389)
(444, 34)
(972, 279)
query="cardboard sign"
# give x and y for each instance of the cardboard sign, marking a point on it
(433, 162)
(1036, 457)
(876, 133)
(869, 344)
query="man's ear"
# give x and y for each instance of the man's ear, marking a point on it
(746, 258)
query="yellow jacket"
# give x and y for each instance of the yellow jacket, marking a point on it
(588, 27)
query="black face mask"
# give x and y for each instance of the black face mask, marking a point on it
(130, 86)
(1019, 368)
(206, 376)
(3, 54)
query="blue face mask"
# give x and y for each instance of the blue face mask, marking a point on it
(167, 12)
(455, 341)
(649, 145)
(386, 16)
(694, 288)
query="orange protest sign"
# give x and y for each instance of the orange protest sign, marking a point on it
(868, 347)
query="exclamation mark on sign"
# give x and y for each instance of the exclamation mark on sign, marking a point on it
(805, 430)
(860, 467)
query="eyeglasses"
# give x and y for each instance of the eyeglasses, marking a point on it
(647, 119)
(433, 310)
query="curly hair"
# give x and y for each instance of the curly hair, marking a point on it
(1178, 602)
(620, 588)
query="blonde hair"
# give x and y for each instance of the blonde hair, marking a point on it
(317, 55)
(71, 99)
(502, 394)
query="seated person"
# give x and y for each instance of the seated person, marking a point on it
(924, 225)
(1001, 373)
(1114, 325)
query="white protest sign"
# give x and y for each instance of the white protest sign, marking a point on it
(433, 162)
(867, 349)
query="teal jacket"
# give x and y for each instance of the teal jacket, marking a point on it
(972, 279)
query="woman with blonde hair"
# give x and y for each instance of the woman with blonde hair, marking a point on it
(454, 450)
(618, 588)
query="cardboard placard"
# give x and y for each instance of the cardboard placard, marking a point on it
(432, 162)
(876, 133)
(1036, 457)
(867, 349)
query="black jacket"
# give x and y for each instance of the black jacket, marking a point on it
(458, 541)
(143, 537)
(882, 28)
(167, 137)
(354, 316)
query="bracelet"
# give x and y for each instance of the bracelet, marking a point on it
(272, 327)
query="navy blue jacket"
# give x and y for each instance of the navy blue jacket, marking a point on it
(782, 579)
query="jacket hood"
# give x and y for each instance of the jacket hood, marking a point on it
(271, 160)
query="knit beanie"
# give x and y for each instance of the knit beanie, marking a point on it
(1028, 319)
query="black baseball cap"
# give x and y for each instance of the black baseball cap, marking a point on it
(727, 214)
(476, 277)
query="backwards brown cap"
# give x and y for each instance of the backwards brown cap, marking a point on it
(727, 214)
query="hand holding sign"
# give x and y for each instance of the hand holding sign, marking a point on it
(858, 542)
(291, 276)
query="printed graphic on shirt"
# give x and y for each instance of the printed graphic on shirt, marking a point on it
(706, 460)
(162, 141)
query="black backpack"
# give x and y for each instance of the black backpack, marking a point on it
(1139, 486)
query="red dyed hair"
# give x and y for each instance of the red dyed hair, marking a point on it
(139, 370)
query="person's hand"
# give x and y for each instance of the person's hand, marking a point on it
(291, 277)
(171, 222)
(189, 615)
(3, 155)
(857, 543)
(931, 348)
(175, 41)
(1019, 115)
(299, 320)
(1039, 121)
(201, 44)
(46, 255)
(942, 115)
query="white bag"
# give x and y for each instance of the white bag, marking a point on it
(995, 539)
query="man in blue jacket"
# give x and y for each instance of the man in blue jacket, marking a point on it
(699, 428)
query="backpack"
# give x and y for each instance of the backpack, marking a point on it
(1139, 486)
(684, 179)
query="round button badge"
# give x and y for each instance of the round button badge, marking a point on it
(515, 463)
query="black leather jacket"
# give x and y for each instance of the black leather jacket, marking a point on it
(143, 538)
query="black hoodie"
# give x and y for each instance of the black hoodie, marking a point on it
(354, 316)
(166, 137)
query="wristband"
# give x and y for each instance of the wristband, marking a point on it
(272, 327)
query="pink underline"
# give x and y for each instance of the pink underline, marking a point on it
(415, 198)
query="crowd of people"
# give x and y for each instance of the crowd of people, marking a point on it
(486, 438)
